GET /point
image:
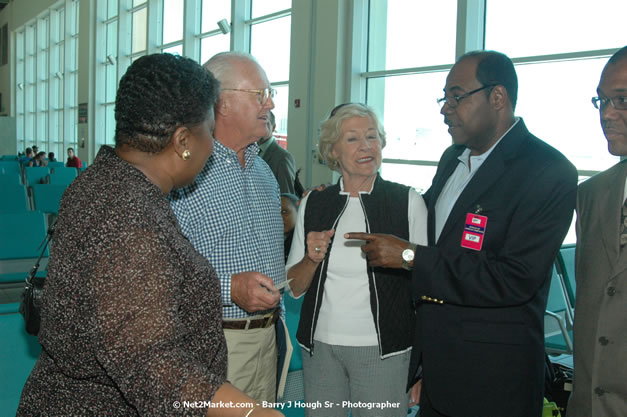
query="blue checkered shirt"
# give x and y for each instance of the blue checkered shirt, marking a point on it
(232, 216)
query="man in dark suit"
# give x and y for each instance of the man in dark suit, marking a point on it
(499, 207)
(600, 334)
(280, 161)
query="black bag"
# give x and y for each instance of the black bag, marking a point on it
(30, 307)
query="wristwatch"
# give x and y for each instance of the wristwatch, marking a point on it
(408, 257)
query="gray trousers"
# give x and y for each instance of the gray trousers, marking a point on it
(339, 379)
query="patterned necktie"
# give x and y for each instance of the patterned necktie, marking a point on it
(623, 226)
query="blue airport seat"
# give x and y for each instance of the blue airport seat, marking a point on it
(13, 198)
(294, 385)
(8, 158)
(10, 167)
(62, 175)
(292, 317)
(567, 268)
(53, 165)
(21, 235)
(10, 178)
(20, 276)
(559, 311)
(18, 353)
(36, 175)
(47, 197)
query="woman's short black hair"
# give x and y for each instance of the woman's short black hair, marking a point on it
(292, 198)
(158, 94)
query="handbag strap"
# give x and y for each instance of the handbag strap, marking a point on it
(45, 242)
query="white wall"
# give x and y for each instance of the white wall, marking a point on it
(8, 144)
(320, 58)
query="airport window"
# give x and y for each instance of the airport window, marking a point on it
(567, 66)
(46, 79)
(212, 37)
(172, 25)
(403, 81)
(268, 20)
(404, 76)
(128, 29)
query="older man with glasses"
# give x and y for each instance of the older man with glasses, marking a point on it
(232, 216)
(600, 334)
(499, 207)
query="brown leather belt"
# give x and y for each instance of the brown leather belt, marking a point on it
(248, 324)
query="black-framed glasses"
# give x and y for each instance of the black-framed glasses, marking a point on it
(618, 102)
(262, 94)
(453, 101)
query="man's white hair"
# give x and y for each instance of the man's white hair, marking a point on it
(221, 64)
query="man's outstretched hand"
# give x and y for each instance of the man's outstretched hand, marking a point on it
(381, 249)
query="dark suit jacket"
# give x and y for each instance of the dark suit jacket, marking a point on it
(600, 383)
(480, 330)
(281, 162)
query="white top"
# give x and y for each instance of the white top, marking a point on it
(457, 182)
(345, 315)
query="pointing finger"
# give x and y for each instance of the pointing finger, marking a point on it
(360, 236)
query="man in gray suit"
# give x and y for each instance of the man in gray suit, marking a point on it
(600, 382)
(280, 161)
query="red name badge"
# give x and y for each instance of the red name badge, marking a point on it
(474, 229)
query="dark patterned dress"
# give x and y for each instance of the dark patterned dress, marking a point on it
(131, 319)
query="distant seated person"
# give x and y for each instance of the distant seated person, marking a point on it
(51, 157)
(39, 160)
(280, 161)
(26, 158)
(289, 210)
(35, 150)
(72, 159)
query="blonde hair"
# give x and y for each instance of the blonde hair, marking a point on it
(331, 129)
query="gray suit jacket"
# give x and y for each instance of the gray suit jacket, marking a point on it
(281, 162)
(600, 360)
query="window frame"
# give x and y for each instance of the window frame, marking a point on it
(471, 15)
(46, 79)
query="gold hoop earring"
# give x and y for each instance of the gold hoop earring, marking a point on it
(186, 155)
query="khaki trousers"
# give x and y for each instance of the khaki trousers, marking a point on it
(253, 362)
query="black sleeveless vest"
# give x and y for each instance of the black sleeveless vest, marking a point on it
(386, 211)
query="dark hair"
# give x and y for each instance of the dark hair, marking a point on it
(293, 198)
(495, 68)
(40, 153)
(158, 94)
(28, 150)
(618, 56)
(50, 155)
(70, 149)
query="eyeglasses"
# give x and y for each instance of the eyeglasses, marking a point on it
(453, 101)
(619, 102)
(262, 95)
